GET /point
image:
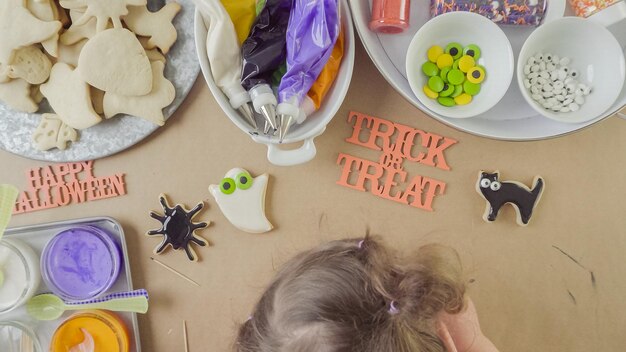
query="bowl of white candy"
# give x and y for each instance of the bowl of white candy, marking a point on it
(571, 78)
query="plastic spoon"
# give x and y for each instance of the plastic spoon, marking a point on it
(8, 196)
(49, 307)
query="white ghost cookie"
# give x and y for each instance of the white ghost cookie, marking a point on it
(150, 106)
(30, 64)
(114, 61)
(103, 11)
(20, 28)
(69, 97)
(242, 200)
(53, 133)
(46, 10)
(16, 94)
(69, 53)
(156, 25)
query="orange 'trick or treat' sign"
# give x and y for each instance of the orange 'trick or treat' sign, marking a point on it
(397, 143)
(58, 185)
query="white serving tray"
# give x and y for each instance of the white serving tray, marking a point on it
(36, 237)
(511, 119)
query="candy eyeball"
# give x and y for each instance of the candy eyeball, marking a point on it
(573, 73)
(531, 61)
(495, 185)
(548, 57)
(539, 57)
(485, 183)
(244, 180)
(227, 185)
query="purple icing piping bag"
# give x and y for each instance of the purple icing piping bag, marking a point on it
(225, 56)
(311, 35)
(263, 52)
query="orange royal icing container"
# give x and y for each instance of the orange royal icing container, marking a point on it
(107, 330)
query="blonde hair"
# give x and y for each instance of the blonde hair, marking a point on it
(356, 295)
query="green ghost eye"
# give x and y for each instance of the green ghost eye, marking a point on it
(227, 186)
(244, 180)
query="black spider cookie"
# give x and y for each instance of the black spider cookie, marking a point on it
(178, 228)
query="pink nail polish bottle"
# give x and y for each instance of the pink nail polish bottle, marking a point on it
(390, 16)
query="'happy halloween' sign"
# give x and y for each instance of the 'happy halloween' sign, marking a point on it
(58, 185)
(397, 143)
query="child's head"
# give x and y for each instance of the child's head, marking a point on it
(356, 295)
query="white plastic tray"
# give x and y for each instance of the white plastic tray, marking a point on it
(511, 119)
(36, 237)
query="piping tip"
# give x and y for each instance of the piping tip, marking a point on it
(285, 123)
(246, 112)
(269, 113)
(266, 129)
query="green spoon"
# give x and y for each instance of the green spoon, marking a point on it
(49, 307)
(8, 196)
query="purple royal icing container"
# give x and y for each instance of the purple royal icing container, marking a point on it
(80, 263)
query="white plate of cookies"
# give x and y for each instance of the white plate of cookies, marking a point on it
(80, 81)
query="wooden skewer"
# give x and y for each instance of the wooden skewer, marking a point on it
(174, 271)
(185, 336)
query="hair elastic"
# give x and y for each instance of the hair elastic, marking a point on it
(393, 309)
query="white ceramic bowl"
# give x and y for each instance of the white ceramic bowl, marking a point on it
(464, 28)
(314, 125)
(593, 51)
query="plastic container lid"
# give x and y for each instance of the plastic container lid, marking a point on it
(107, 330)
(20, 270)
(80, 263)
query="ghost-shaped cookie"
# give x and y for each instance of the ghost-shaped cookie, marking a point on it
(242, 200)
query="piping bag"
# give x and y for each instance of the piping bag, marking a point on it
(243, 14)
(313, 100)
(311, 36)
(225, 56)
(263, 52)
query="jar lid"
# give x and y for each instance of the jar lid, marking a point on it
(107, 330)
(19, 275)
(80, 263)
(15, 336)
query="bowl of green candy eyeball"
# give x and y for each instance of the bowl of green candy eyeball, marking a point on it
(460, 64)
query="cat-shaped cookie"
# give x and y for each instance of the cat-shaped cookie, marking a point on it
(497, 193)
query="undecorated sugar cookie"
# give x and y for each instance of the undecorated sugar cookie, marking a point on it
(46, 10)
(155, 55)
(78, 32)
(150, 106)
(103, 11)
(69, 97)
(498, 193)
(156, 25)
(30, 64)
(114, 61)
(177, 228)
(16, 94)
(53, 133)
(69, 53)
(242, 200)
(97, 99)
(20, 28)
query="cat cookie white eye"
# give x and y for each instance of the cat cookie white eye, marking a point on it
(484, 183)
(495, 186)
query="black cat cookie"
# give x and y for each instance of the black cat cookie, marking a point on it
(497, 193)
